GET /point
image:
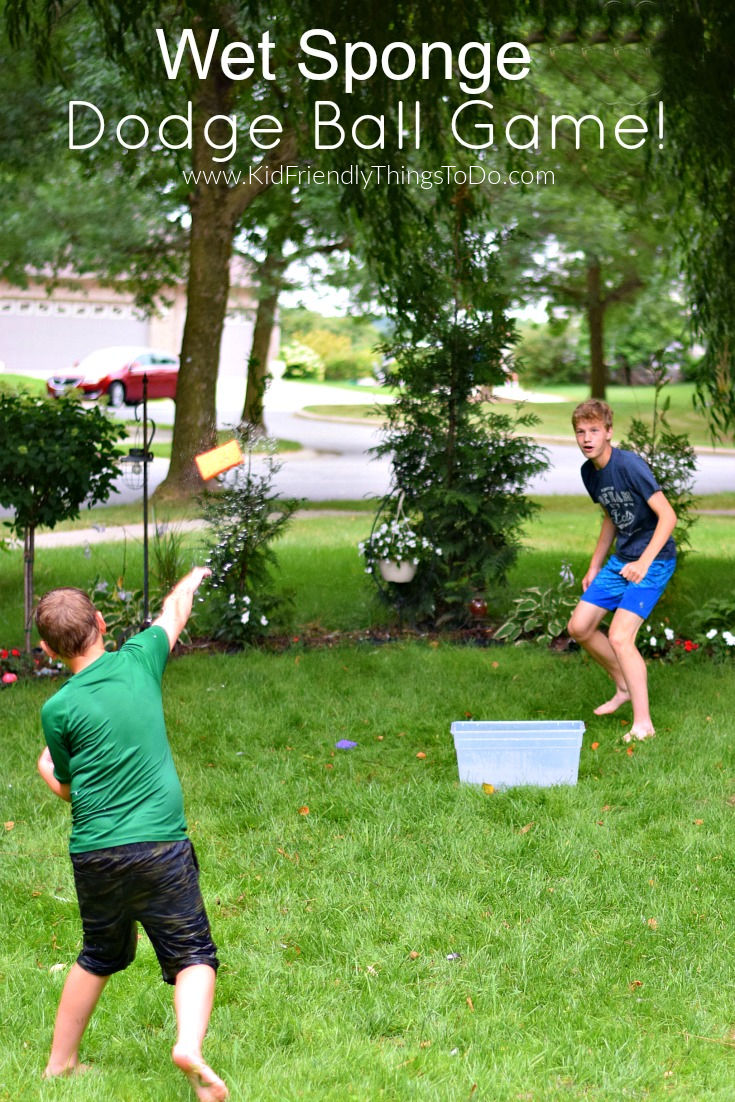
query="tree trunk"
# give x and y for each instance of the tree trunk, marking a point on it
(595, 321)
(210, 249)
(216, 210)
(271, 282)
(28, 559)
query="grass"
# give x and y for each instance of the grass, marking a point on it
(555, 417)
(369, 413)
(320, 567)
(21, 384)
(346, 384)
(386, 933)
(627, 403)
(589, 928)
(161, 446)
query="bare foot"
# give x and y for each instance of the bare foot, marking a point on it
(207, 1086)
(73, 1069)
(638, 733)
(622, 696)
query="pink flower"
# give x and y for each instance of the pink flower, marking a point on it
(9, 678)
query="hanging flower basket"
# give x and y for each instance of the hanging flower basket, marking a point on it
(393, 571)
(395, 549)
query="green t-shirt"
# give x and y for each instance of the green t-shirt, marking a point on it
(106, 733)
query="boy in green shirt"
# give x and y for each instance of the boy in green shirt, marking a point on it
(108, 755)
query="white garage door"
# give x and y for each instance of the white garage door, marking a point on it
(48, 337)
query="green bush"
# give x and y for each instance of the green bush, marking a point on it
(302, 362)
(244, 518)
(542, 614)
(56, 457)
(357, 365)
(671, 458)
(549, 353)
(462, 467)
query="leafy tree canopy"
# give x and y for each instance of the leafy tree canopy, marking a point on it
(55, 457)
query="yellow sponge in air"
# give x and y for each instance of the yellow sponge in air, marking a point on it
(218, 460)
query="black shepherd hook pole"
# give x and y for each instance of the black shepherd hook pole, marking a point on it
(136, 462)
(146, 613)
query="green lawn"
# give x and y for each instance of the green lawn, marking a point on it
(161, 446)
(320, 567)
(407, 937)
(21, 384)
(386, 933)
(555, 417)
(626, 402)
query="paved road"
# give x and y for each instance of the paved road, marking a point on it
(349, 473)
(335, 464)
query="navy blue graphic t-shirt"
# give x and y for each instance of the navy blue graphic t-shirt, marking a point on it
(623, 487)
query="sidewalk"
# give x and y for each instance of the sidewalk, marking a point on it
(116, 533)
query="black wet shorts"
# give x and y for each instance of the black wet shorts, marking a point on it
(154, 883)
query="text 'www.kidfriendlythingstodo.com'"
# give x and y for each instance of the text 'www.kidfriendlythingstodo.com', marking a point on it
(373, 176)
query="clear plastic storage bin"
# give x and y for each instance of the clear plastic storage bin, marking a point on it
(506, 753)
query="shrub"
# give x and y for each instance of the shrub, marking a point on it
(463, 467)
(244, 518)
(542, 614)
(549, 353)
(302, 362)
(121, 608)
(717, 612)
(56, 456)
(671, 458)
(358, 365)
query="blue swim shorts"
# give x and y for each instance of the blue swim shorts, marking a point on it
(154, 883)
(610, 590)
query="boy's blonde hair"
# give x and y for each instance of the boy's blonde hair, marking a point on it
(67, 621)
(594, 409)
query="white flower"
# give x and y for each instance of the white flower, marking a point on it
(264, 620)
(711, 633)
(729, 638)
(669, 634)
(245, 617)
(653, 640)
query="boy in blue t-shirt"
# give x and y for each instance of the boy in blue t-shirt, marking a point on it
(640, 520)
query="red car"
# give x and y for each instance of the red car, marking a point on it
(118, 372)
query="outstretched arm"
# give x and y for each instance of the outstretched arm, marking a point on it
(46, 769)
(177, 606)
